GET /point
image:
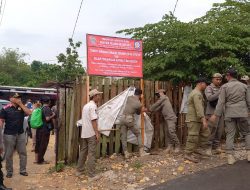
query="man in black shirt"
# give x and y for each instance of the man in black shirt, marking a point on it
(13, 115)
(43, 133)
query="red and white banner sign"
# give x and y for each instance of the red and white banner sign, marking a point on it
(110, 56)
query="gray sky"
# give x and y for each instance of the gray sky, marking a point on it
(41, 28)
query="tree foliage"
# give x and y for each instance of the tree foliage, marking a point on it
(15, 71)
(174, 50)
(71, 65)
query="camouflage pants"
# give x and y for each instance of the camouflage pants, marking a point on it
(128, 123)
(197, 136)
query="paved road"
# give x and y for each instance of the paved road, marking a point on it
(236, 177)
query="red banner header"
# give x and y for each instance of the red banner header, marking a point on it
(110, 56)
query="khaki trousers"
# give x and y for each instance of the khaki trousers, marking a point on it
(87, 150)
(171, 132)
(197, 137)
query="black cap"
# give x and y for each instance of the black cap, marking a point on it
(201, 79)
(45, 99)
(138, 91)
(232, 72)
(15, 95)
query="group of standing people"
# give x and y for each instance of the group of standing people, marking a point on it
(90, 135)
(227, 105)
(212, 109)
(12, 134)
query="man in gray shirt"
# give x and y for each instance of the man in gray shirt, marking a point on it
(235, 100)
(212, 93)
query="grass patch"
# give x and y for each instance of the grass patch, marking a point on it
(58, 168)
(137, 165)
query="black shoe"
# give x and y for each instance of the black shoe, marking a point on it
(24, 173)
(2, 187)
(9, 175)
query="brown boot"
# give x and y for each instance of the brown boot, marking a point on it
(190, 157)
(169, 149)
(206, 152)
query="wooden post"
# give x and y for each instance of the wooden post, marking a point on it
(142, 113)
(87, 88)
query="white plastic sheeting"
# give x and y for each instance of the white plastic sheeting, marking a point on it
(110, 112)
(184, 103)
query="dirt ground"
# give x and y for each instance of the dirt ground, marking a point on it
(114, 173)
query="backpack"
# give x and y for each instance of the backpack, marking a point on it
(36, 118)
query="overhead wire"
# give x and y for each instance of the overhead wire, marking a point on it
(175, 6)
(77, 19)
(1, 6)
(4, 5)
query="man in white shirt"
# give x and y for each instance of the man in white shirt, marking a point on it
(89, 135)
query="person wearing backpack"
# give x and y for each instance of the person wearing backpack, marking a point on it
(35, 121)
(43, 133)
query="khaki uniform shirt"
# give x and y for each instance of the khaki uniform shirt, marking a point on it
(235, 98)
(133, 106)
(212, 93)
(196, 106)
(165, 106)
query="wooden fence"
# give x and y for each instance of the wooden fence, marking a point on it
(72, 97)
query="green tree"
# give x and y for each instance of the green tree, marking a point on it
(13, 69)
(174, 50)
(71, 65)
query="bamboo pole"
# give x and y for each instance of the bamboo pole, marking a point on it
(142, 112)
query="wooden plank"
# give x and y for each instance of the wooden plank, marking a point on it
(113, 91)
(125, 84)
(130, 147)
(100, 88)
(104, 145)
(161, 136)
(68, 115)
(147, 93)
(71, 126)
(78, 115)
(111, 143)
(157, 130)
(61, 124)
(106, 91)
(117, 140)
(137, 83)
(120, 86)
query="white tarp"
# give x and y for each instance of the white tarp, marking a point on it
(184, 106)
(110, 112)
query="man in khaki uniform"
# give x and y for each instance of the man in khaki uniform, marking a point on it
(245, 79)
(212, 94)
(165, 106)
(132, 106)
(198, 131)
(236, 102)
